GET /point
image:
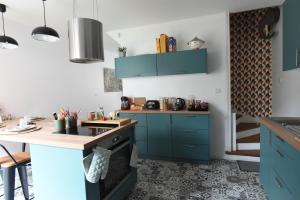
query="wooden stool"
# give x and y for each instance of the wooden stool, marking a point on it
(8, 165)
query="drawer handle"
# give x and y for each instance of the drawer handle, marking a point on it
(190, 116)
(188, 131)
(190, 146)
(280, 154)
(279, 138)
(278, 183)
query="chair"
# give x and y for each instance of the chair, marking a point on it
(8, 166)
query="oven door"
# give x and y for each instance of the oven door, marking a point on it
(119, 167)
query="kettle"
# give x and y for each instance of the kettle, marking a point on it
(195, 43)
(179, 104)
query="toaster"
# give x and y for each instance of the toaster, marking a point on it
(152, 105)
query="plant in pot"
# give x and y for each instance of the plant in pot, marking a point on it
(122, 51)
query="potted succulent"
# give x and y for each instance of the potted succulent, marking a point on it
(122, 51)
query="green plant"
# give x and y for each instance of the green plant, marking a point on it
(122, 49)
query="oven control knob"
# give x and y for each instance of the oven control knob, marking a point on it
(116, 139)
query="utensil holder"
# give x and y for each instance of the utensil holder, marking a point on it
(60, 124)
(71, 123)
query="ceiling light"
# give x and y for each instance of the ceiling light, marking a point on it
(44, 33)
(6, 42)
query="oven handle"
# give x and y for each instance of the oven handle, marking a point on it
(120, 147)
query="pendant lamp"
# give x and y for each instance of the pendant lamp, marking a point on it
(6, 42)
(44, 33)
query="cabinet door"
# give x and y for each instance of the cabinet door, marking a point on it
(159, 134)
(135, 66)
(182, 62)
(265, 158)
(291, 35)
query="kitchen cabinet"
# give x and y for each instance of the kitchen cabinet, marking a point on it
(136, 66)
(279, 163)
(291, 35)
(172, 136)
(140, 132)
(159, 137)
(182, 62)
(172, 63)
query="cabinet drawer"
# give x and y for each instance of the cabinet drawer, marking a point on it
(293, 153)
(190, 136)
(197, 152)
(142, 147)
(159, 149)
(190, 121)
(286, 168)
(280, 191)
(141, 118)
(140, 133)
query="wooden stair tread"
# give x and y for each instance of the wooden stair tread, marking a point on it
(247, 126)
(238, 116)
(252, 153)
(249, 139)
(20, 157)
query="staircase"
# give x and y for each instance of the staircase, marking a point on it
(247, 137)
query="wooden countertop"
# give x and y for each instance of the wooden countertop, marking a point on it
(185, 112)
(45, 136)
(282, 132)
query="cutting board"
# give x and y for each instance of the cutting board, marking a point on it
(118, 122)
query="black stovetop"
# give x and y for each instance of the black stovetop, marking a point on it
(85, 131)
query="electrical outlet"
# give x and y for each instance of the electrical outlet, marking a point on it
(218, 90)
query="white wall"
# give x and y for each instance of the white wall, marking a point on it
(37, 79)
(286, 90)
(214, 30)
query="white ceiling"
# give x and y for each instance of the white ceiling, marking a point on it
(119, 14)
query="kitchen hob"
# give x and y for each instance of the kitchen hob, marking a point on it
(85, 131)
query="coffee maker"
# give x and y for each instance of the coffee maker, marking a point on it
(125, 103)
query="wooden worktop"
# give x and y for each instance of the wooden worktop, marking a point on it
(282, 132)
(45, 136)
(185, 112)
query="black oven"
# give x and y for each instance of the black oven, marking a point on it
(119, 165)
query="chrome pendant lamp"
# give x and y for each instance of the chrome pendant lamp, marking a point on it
(6, 42)
(86, 38)
(44, 33)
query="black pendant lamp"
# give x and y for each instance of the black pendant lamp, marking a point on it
(6, 42)
(44, 33)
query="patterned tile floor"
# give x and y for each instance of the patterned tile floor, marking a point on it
(161, 180)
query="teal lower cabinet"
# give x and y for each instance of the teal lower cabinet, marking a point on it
(141, 131)
(280, 164)
(172, 136)
(159, 135)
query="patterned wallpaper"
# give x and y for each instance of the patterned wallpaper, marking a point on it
(251, 65)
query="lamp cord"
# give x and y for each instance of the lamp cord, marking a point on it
(3, 26)
(44, 13)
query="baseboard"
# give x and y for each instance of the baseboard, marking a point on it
(242, 158)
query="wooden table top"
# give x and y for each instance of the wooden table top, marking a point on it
(282, 132)
(45, 136)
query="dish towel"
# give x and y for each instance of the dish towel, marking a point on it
(96, 164)
(134, 157)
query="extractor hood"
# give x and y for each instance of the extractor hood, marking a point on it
(86, 37)
(85, 40)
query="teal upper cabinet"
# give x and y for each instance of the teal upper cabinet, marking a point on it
(291, 35)
(135, 66)
(182, 62)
